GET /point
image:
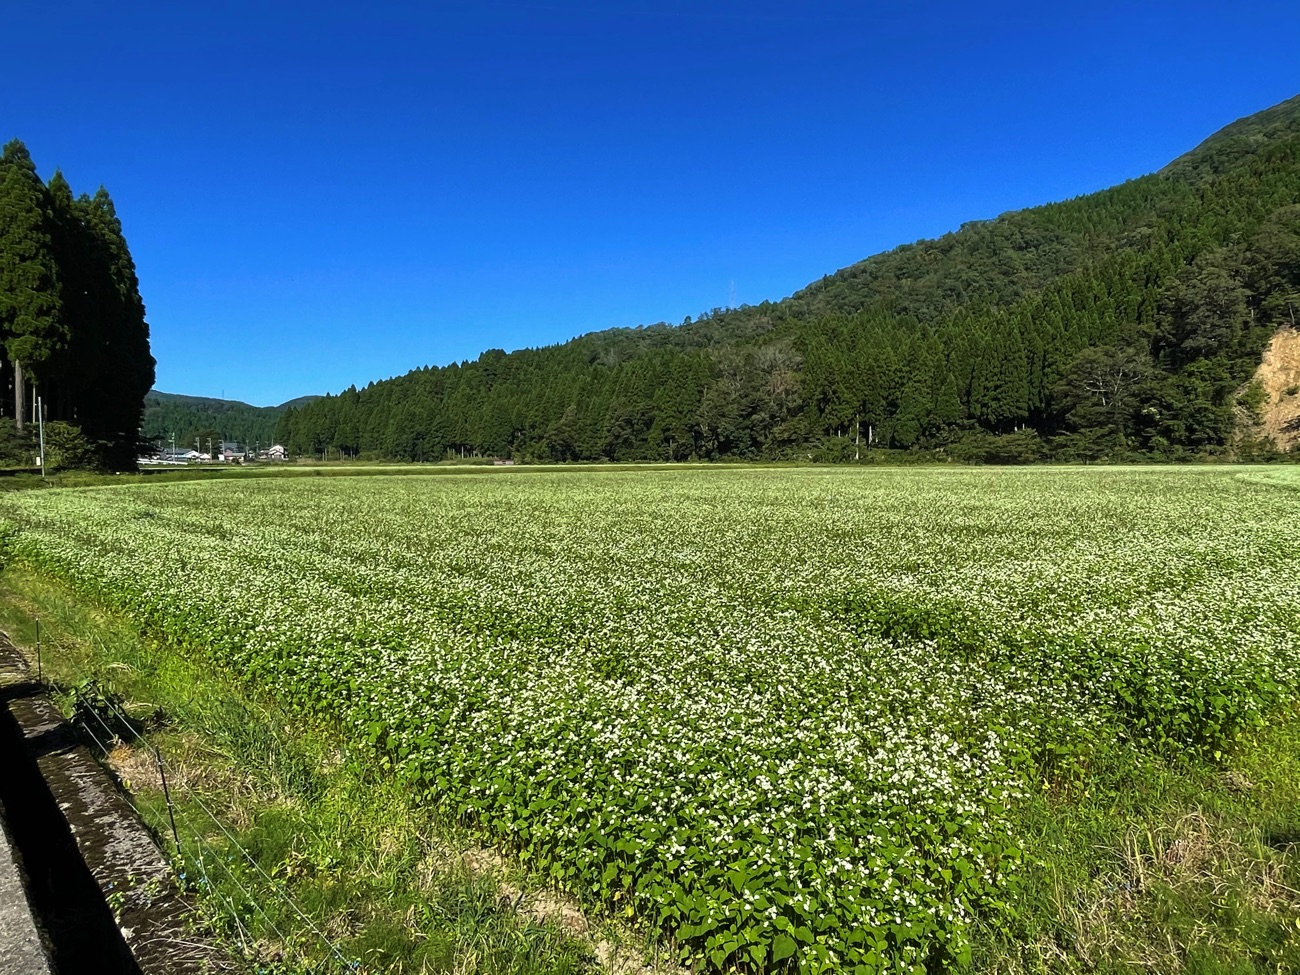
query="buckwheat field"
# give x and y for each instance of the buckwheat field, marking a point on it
(784, 716)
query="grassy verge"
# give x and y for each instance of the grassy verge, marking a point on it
(1164, 865)
(383, 888)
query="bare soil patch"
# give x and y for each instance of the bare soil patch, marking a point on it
(1279, 372)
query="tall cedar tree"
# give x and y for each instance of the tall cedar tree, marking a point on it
(112, 363)
(70, 309)
(31, 319)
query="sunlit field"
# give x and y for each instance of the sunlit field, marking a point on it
(786, 716)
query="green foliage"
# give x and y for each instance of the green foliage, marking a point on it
(8, 540)
(980, 446)
(1103, 388)
(985, 331)
(71, 316)
(816, 764)
(17, 447)
(66, 448)
(110, 367)
(30, 309)
(1253, 398)
(190, 417)
(383, 878)
(101, 711)
(1161, 865)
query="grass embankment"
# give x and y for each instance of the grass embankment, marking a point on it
(1163, 865)
(392, 889)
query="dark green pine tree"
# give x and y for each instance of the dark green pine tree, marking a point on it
(30, 311)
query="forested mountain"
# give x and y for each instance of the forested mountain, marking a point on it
(1126, 322)
(71, 319)
(190, 418)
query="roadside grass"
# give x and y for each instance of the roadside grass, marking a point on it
(1163, 865)
(390, 888)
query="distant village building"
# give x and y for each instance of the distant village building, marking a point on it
(277, 452)
(231, 452)
(173, 455)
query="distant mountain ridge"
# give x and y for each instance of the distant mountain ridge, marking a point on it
(187, 418)
(1240, 138)
(218, 404)
(1121, 323)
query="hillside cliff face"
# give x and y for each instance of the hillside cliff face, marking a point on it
(1116, 324)
(1278, 376)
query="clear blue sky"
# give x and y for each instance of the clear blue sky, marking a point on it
(318, 195)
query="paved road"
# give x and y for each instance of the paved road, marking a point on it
(21, 952)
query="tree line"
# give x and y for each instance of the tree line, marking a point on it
(187, 419)
(72, 322)
(1125, 323)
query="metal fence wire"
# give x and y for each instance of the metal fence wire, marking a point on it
(183, 827)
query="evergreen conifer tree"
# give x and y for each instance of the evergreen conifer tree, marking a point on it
(124, 370)
(30, 309)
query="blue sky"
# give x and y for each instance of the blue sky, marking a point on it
(323, 194)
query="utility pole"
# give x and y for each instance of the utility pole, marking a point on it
(40, 426)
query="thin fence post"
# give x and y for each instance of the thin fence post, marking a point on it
(39, 671)
(167, 795)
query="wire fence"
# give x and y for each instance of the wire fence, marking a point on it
(204, 858)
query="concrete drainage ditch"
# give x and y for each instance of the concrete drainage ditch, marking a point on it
(71, 842)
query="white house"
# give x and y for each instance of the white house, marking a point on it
(170, 455)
